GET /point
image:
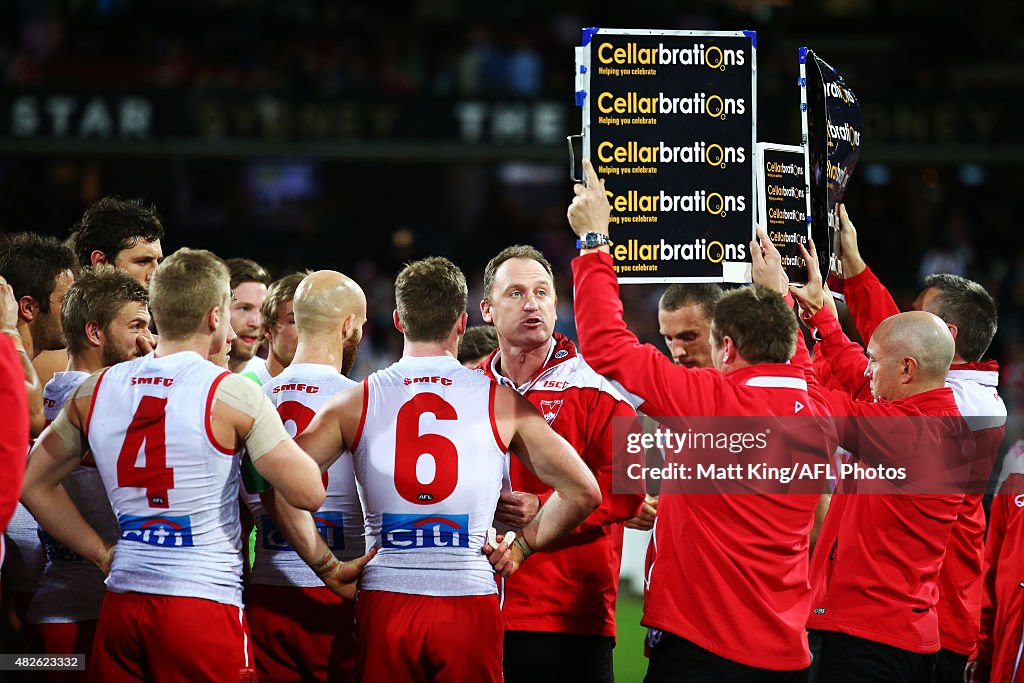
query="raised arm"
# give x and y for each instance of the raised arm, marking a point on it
(32, 386)
(608, 345)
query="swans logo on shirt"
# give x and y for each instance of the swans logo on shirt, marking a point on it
(402, 532)
(167, 532)
(330, 525)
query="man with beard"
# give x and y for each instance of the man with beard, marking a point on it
(123, 233)
(559, 610)
(40, 270)
(301, 630)
(278, 330)
(105, 318)
(249, 282)
(684, 320)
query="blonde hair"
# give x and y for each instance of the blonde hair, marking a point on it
(185, 287)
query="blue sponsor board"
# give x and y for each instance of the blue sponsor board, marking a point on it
(167, 532)
(402, 532)
(330, 525)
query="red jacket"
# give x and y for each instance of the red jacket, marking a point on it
(729, 572)
(13, 432)
(875, 567)
(974, 386)
(1001, 640)
(570, 587)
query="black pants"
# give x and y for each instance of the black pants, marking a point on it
(842, 658)
(538, 657)
(675, 659)
(949, 668)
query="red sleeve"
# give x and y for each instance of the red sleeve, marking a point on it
(13, 429)
(993, 546)
(845, 359)
(869, 301)
(615, 352)
(607, 415)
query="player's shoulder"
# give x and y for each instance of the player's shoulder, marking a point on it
(575, 374)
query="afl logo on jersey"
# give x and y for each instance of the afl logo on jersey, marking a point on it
(169, 532)
(404, 532)
(559, 355)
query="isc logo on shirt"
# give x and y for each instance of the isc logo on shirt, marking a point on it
(402, 532)
(330, 525)
(167, 532)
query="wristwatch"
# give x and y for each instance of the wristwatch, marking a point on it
(592, 240)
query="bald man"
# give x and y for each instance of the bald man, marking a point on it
(300, 629)
(875, 568)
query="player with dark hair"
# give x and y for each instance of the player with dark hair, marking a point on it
(123, 233)
(477, 344)
(727, 597)
(684, 320)
(277, 327)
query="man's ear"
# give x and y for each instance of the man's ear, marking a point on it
(908, 370)
(213, 319)
(728, 350)
(398, 322)
(28, 309)
(347, 325)
(952, 330)
(97, 257)
(463, 323)
(92, 333)
(485, 311)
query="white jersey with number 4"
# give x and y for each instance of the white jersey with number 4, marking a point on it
(173, 488)
(299, 393)
(429, 463)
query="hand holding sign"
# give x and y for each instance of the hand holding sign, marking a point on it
(589, 211)
(767, 268)
(810, 296)
(849, 250)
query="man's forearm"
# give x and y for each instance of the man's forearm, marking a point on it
(297, 527)
(556, 518)
(60, 518)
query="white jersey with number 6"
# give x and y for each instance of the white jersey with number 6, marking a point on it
(429, 464)
(299, 393)
(173, 488)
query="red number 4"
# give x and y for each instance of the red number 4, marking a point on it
(410, 445)
(146, 433)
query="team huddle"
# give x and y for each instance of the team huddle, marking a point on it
(459, 515)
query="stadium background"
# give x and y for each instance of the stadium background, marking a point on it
(355, 136)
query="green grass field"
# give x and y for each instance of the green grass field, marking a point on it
(630, 663)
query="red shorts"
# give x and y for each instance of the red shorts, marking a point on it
(74, 638)
(162, 638)
(301, 634)
(422, 638)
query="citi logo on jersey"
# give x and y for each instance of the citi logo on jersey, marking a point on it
(403, 532)
(330, 526)
(165, 381)
(167, 532)
(443, 381)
